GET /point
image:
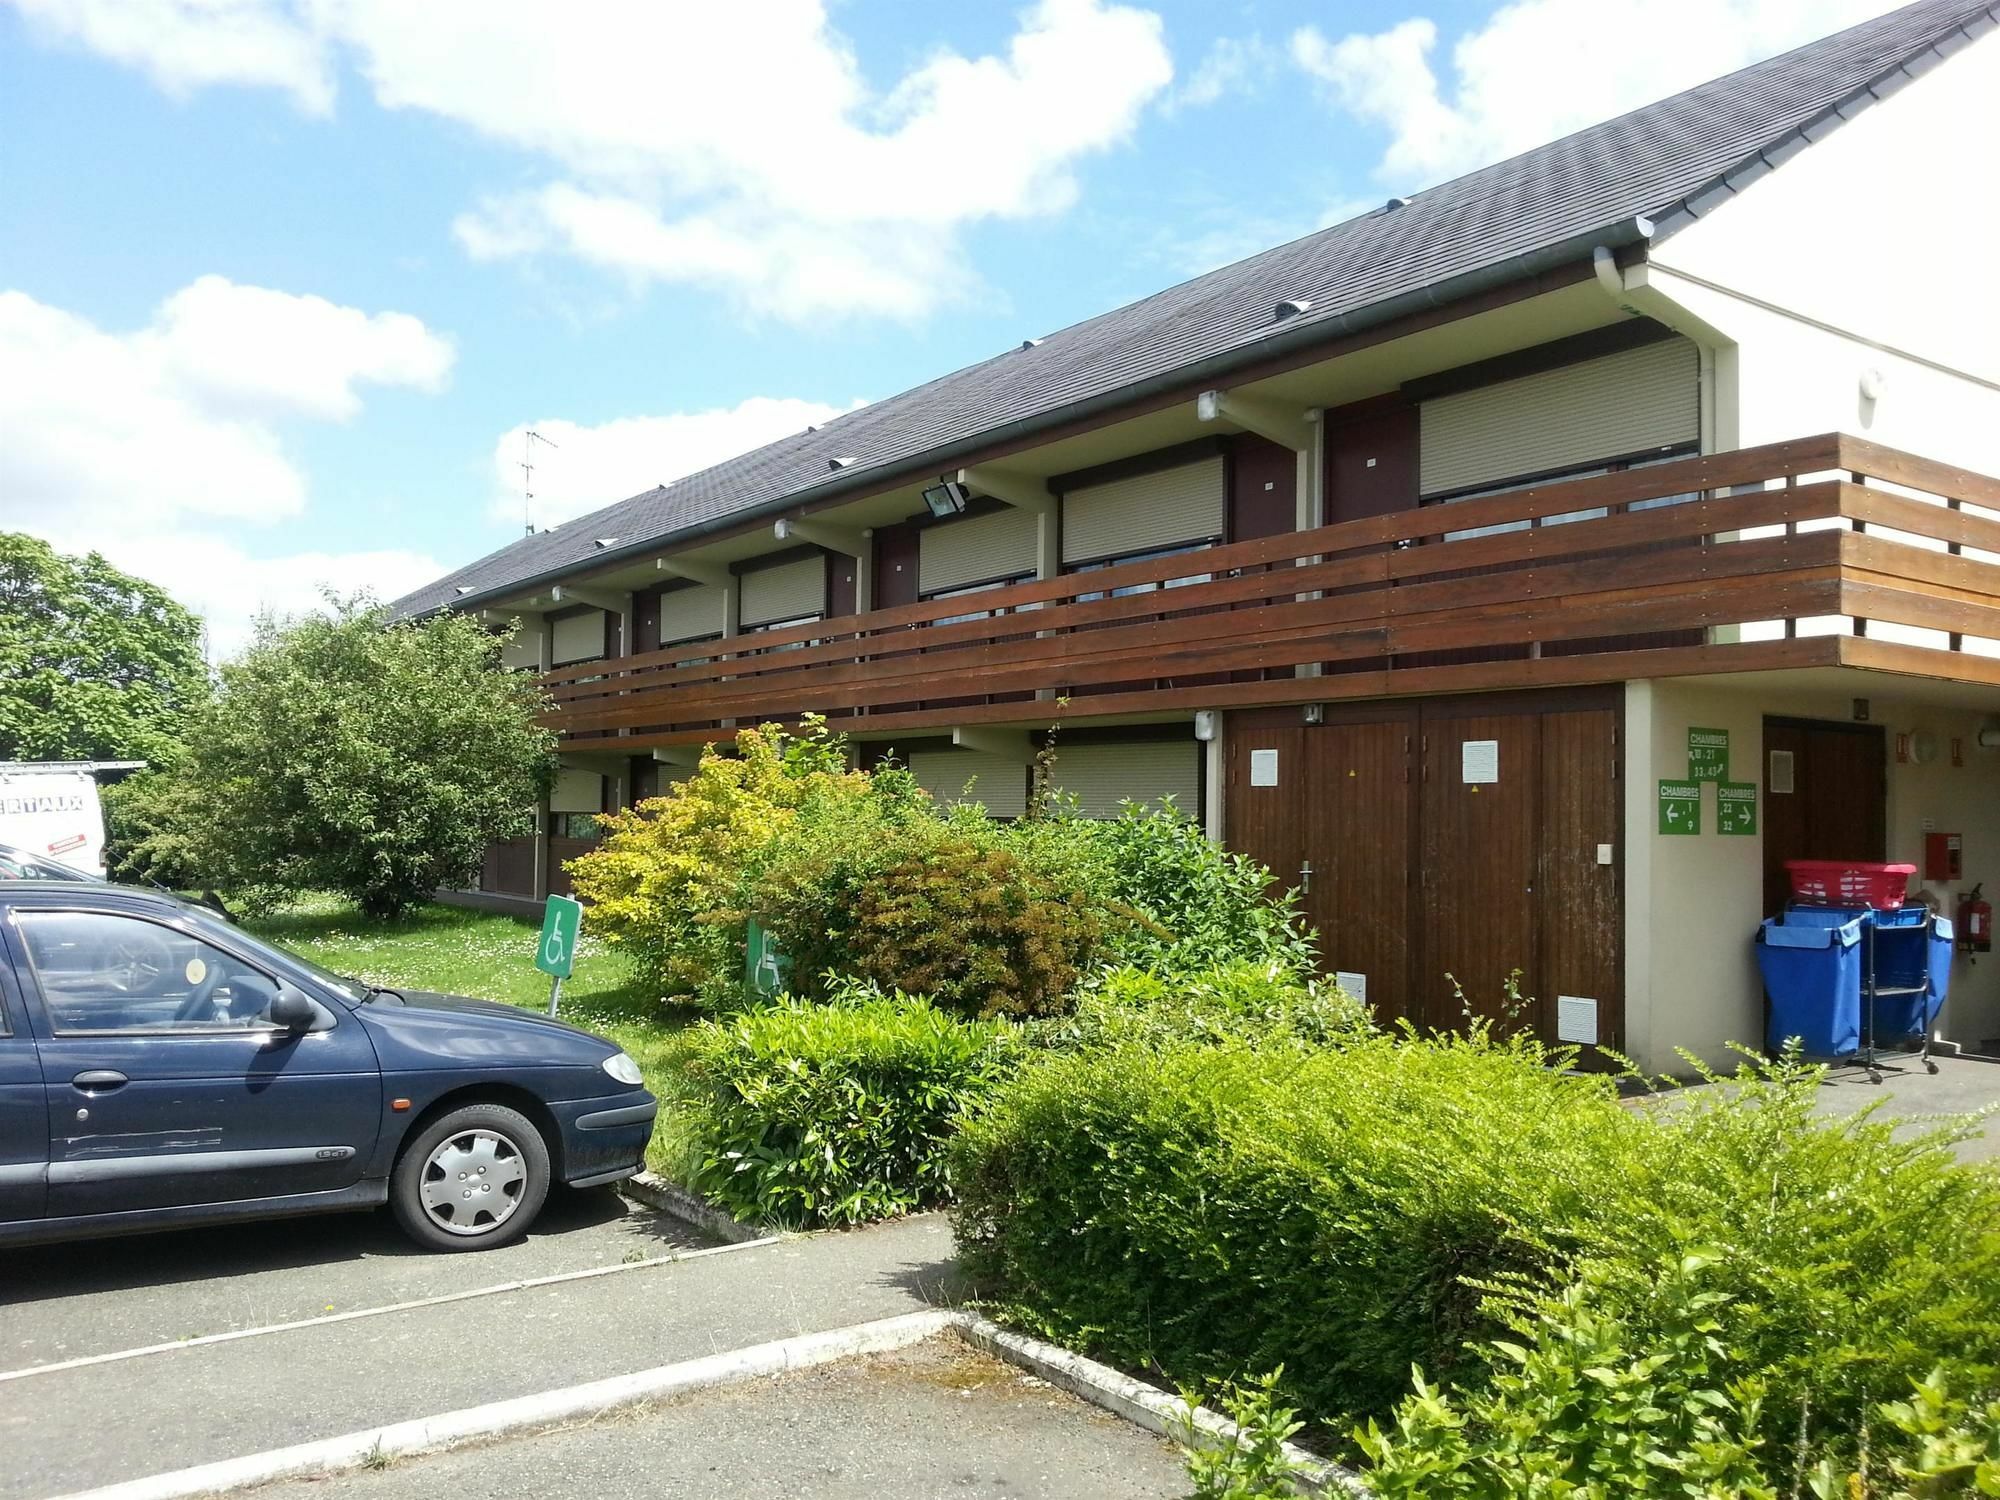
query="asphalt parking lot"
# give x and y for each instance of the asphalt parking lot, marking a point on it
(934, 1419)
(253, 1360)
(91, 1297)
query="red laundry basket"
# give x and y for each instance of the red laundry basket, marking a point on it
(1848, 882)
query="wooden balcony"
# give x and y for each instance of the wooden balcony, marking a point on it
(1706, 564)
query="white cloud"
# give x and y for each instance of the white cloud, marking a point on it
(1539, 69)
(735, 147)
(132, 443)
(590, 466)
(184, 45)
(252, 346)
(1231, 65)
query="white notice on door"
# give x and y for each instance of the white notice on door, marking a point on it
(1263, 768)
(1354, 985)
(1479, 762)
(1781, 772)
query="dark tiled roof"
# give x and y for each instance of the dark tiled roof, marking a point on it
(1668, 162)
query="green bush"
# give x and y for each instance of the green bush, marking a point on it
(1213, 1210)
(667, 881)
(1398, 1203)
(1202, 905)
(1257, 1004)
(813, 1114)
(1586, 1405)
(973, 925)
(349, 752)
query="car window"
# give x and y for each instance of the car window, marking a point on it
(18, 865)
(107, 972)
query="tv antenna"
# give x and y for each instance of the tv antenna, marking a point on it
(530, 437)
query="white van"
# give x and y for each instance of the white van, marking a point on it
(51, 808)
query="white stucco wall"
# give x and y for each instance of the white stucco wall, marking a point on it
(1693, 904)
(1869, 249)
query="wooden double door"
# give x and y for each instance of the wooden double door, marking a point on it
(1442, 845)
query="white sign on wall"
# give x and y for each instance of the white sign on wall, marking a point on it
(1353, 984)
(1479, 762)
(1263, 768)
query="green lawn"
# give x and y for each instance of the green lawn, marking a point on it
(491, 957)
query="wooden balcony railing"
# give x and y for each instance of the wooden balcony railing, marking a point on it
(1700, 565)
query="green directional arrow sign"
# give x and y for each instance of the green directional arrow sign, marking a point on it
(1680, 807)
(1736, 807)
(555, 952)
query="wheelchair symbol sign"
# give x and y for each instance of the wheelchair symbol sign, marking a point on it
(555, 954)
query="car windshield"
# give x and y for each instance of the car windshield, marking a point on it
(18, 864)
(344, 984)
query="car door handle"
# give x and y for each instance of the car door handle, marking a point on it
(99, 1081)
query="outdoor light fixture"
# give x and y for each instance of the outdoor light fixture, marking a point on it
(946, 498)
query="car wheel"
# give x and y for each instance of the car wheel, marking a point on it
(473, 1178)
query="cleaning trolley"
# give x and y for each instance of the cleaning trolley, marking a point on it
(1850, 969)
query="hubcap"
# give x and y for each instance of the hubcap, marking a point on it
(473, 1182)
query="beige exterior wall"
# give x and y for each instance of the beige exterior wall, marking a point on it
(1693, 904)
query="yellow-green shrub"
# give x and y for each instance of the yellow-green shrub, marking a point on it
(666, 881)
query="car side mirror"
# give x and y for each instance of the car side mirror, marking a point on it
(290, 1010)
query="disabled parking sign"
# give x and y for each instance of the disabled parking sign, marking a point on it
(555, 954)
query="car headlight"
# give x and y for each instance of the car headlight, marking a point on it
(622, 1068)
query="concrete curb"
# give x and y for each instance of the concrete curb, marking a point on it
(671, 1198)
(368, 1448)
(1141, 1404)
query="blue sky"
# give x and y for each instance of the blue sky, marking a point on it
(279, 278)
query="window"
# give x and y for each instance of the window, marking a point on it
(1591, 514)
(17, 864)
(974, 588)
(1144, 588)
(574, 825)
(102, 973)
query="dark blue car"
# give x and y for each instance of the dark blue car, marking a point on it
(159, 1067)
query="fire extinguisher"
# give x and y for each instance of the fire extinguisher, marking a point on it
(1975, 922)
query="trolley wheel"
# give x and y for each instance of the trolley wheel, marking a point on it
(1873, 1076)
(1930, 1066)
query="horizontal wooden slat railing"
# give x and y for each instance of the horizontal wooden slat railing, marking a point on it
(1774, 534)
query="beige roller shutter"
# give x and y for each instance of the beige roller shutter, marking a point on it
(523, 649)
(577, 791)
(689, 613)
(1100, 776)
(980, 549)
(1603, 408)
(1144, 513)
(579, 637)
(998, 783)
(786, 592)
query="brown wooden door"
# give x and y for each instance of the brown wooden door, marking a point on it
(1266, 822)
(1371, 459)
(1837, 807)
(1480, 844)
(1358, 839)
(1580, 937)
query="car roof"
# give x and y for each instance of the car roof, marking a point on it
(42, 892)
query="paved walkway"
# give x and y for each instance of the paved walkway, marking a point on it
(70, 1429)
(931, 1420)
(1961, 1086)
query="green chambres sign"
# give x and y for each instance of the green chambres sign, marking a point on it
(1708, 754)
(1680, 807)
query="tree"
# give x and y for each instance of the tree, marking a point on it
(94, 663)
(369, 757)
